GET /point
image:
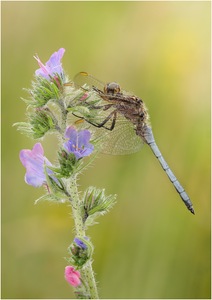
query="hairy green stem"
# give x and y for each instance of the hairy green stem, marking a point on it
(91, 281)
(80, 232)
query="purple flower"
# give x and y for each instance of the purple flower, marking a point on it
(53, 65)
(78, 142)
(80, 243)
(33, 160)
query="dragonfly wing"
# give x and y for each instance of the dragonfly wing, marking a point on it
(121, 140)
(87, 81)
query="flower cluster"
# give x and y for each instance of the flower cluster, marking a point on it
(53, 104)
(35, 162)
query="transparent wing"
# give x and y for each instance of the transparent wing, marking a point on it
(121, 140)
(87, 81)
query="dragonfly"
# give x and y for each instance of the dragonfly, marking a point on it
(125, 116)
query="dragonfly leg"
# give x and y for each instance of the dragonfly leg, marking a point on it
(103, 107)
(112, 116)
(78, 116)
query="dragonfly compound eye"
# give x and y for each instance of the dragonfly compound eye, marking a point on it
(112, 88)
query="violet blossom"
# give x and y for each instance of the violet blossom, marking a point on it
(80, 243)
(78, 142)
(52, 67)
(34, 160)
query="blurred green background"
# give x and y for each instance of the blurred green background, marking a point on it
(149, 245)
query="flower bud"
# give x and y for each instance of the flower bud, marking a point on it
(96, 203)
(41, 122)
(68, 163)
(72, 276)
(81, 250)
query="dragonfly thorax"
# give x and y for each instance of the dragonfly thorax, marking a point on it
(112, 88)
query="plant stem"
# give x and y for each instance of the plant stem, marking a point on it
(91, 280)
(76, 207)
(80, 232)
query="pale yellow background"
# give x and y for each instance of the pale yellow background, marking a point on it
(149, 246)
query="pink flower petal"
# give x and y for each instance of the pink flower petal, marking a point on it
(72, 276)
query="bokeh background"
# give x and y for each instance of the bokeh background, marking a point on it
(149, 245)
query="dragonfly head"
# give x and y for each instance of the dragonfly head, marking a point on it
(112, 88)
